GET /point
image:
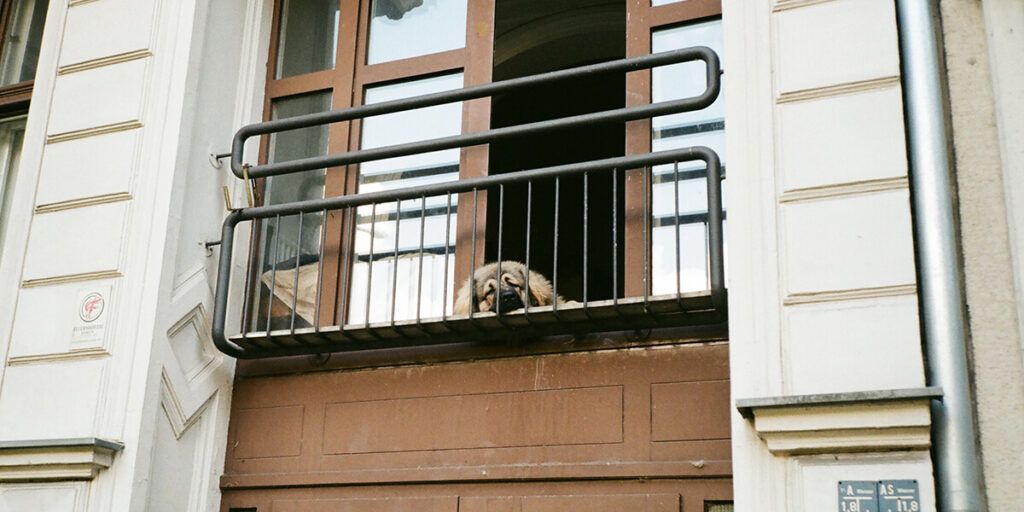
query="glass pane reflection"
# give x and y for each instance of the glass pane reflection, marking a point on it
(396, 285)
(307, 37)
(702, 128)
(400, 29)
(12, 132)
(21, 44)
(291, 245)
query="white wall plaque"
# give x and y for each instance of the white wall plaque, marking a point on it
(90, 316)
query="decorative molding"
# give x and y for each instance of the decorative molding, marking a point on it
(83, 202)
(55, 459)
(104, 61)
(746, 406)
(865, 421)
(794, 299)
(86, 353)
(785, 5)
(73, 278)
(837, 90)
(180, 421)
(91, 132)
(74, 3)
(845, 189)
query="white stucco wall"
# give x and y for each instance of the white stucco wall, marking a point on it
(822, 292)
(115, 195)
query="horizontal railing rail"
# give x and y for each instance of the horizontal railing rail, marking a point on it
(322, 335)
(702, 100)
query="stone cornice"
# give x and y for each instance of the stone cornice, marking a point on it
(55, 459)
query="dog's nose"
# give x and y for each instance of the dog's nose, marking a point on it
(510, 300)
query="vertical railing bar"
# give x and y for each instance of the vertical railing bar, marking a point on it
(715, 234)
(444, 283)
(586, 248)
(472, 259)
(252, 285)
(394, 274)
(320, 271)
(554, 271)
(647, 246)
(273, 269)
(497, 277)
(679, 270)
(529, 215)
(615, 240)
(295, 283)
(419, 275)
(348, 232)
(369, 262)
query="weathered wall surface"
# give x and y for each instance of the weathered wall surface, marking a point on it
(975, 35)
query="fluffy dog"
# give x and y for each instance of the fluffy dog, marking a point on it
(483, 292)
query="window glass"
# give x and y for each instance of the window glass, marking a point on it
(400, 29)
(702, 128)
(12, 131)
(21, 44)
(387, 290)
(292, 241)
(307, 36)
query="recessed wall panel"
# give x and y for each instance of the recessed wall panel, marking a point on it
(837, 42)
(96, 30)
(842, 139)
(98, 97)
(848, 243)
(76, 241)
(90, 167)
(853, 346)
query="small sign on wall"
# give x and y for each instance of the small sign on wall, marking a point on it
(879, 496)
(90, 316)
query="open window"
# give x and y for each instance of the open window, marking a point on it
(411, 143)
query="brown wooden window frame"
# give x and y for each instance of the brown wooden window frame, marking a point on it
(351, 75)
(14, 98)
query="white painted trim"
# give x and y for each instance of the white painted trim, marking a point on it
(754, 294)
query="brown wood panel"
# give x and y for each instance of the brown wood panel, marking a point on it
(494, 420)
(586, 414)
(268, 432)
(674, 404)
(603, 503)
(676, 495)
(428, 504)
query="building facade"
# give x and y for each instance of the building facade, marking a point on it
(827, 383)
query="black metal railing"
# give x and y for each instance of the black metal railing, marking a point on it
(306, 331)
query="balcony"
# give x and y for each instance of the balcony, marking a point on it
(385, 268)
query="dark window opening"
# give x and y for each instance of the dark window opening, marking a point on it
(542, 37)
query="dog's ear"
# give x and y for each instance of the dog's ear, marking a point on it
(540, 290)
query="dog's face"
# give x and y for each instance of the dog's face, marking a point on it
(487, 289)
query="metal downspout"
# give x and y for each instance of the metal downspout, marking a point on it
(940, 282)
